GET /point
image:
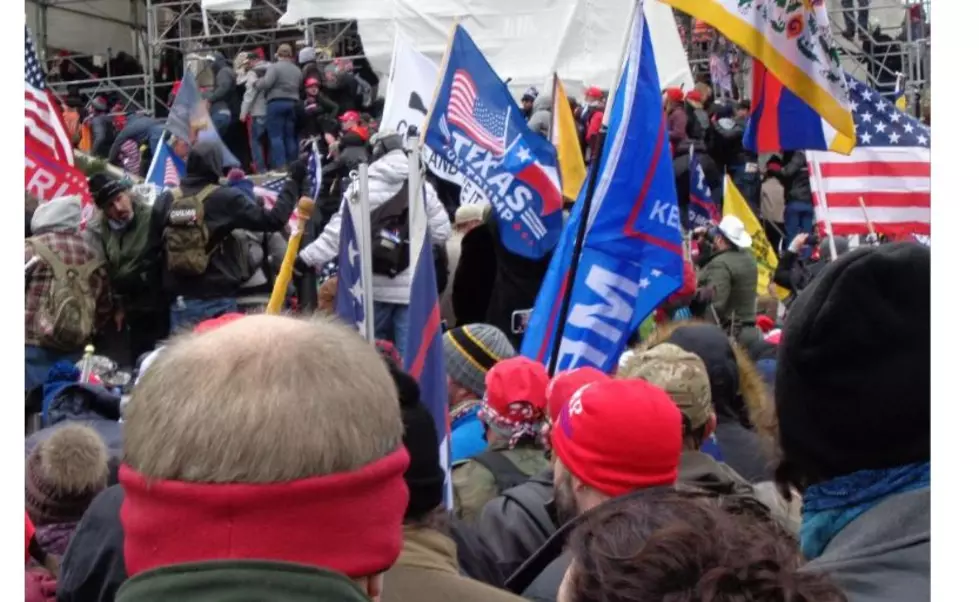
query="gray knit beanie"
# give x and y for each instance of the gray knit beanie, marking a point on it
(471, 350)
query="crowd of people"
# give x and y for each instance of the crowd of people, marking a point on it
(737, 452)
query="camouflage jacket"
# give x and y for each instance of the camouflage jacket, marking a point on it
(473, 485)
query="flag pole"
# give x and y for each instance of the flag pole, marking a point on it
(156, 153)
(441, 77)
(584, 216)
(414, 187)
(363, 206)
(305, 208)
(817, 171)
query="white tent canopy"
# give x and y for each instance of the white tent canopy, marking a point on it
(526, 41)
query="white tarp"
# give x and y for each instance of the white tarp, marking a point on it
(523, 40)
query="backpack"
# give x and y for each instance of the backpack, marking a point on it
(66, 318)
(505, 473)
(389, 235)
(185, 235)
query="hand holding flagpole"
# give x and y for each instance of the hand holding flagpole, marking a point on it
(305, 209)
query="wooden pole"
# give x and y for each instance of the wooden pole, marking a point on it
(278, 297)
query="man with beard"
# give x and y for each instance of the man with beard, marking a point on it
(133, 258)
(614, 438)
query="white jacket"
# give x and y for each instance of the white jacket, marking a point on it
(385, 176)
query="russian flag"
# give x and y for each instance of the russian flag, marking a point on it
(782, 121)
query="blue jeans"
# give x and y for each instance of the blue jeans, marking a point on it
(391, 324)
(195, 311)
(280, 117)
(255, 134)
(221, 122)
(798, 219)
(38, 362)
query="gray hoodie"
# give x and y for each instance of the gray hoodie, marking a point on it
(540, 120)
(253, 102)
(885, 554)
(283, 79)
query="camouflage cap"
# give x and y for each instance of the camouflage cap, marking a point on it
(680, 373)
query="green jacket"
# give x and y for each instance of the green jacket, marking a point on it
(240, 581)
(133, 260)
(733, 274)
(473, 484)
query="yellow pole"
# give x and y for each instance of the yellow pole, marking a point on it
(305, 207)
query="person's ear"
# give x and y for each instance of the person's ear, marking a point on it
(710, 427)
(375, 584)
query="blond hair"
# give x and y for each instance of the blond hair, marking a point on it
(284, 51)
(262, 399)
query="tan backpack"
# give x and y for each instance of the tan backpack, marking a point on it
(66, 318)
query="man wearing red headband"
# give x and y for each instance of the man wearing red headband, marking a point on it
(276, 471)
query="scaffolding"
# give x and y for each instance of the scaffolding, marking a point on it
(884, 43)
(169, 36)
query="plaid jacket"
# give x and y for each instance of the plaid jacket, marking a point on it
(73, 250)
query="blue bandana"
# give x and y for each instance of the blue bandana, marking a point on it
(830, 506)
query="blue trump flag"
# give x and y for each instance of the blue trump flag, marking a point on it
(632, 257)
(188, 112)
(349, 302)
(476, 125)
(167, 168)
(423, 355)
(702, 209)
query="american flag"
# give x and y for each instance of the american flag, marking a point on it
(890, 170)
(485, 125)
(269, 191)
(171, 175)
(43, 122)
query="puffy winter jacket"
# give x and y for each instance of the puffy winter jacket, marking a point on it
(385, 176)
(540, 120)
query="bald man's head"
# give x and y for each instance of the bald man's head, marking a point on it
(263, 399)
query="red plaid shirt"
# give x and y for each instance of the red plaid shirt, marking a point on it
(73, 250)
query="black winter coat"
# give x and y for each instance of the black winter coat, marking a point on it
(795, 178)
(473, 284)
(225, 209)
(516, 284)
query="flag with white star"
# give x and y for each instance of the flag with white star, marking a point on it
(350, 286)
(702, 209)
(885, 184)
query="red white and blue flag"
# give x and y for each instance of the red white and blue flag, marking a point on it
(476, 126)
(269, 191)
(49, 157)
(889, 171)
(349, 301)
(423, 354)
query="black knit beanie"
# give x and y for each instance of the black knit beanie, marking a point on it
(425, 477)
(852, 388)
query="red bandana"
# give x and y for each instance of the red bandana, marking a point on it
(348, 522)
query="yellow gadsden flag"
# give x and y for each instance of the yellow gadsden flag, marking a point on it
(564, 137)
(734, 204)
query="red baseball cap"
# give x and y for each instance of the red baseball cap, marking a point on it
(619, 436)
(514, 381)
(695, 96)
(311, 81)
(209, 325)
(349, 116)
(565, 384)
(594, 92)
(674, 94)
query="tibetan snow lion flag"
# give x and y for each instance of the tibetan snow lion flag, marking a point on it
(793, 48)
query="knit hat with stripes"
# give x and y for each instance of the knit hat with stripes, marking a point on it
(470, 351)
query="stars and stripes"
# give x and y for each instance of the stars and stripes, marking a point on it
(171, 176)
(269, 191)
(889, 170)
(486, 126)
(42, 116)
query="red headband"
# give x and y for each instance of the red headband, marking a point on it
(348, 522)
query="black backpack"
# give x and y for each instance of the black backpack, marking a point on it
(389, 235)
(505, 473)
